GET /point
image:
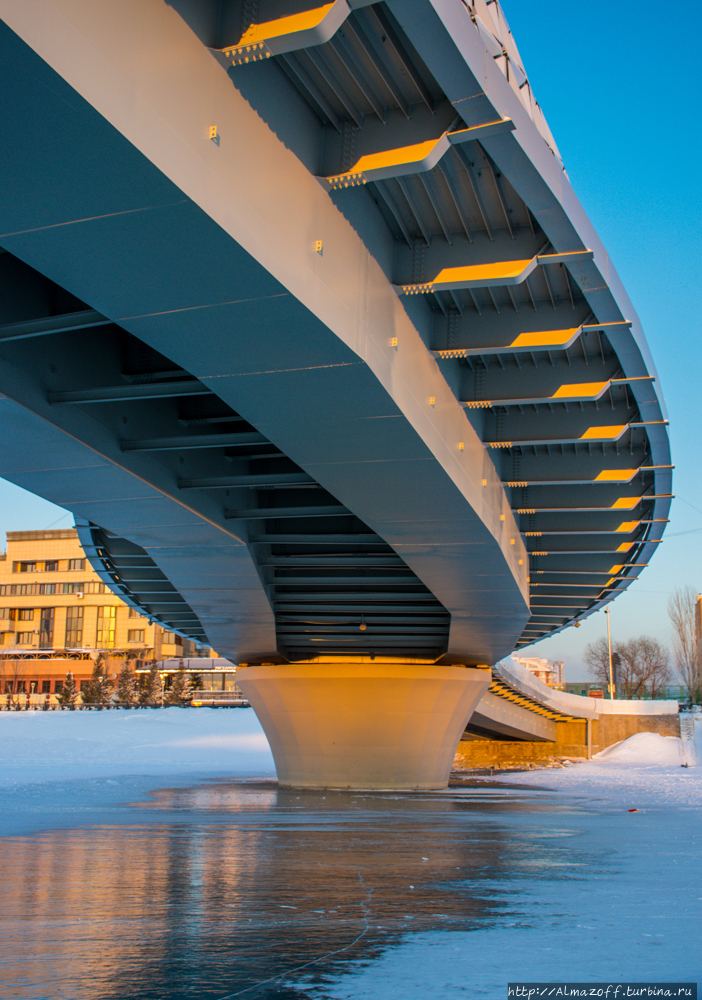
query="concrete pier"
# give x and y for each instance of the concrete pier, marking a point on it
(362, 723)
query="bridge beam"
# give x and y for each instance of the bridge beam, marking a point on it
(337, 723)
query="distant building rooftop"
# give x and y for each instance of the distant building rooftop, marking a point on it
(35, 536)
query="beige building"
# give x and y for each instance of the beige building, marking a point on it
(56, 615)
(551, 672)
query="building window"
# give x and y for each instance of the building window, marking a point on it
(24, 638)
(46, 687)
(76, 564)
(74, 627)
(94, 588)
(134, 613)
(25, 615)
(46, 627)
(136, 635)
(58, 687)
(25, 567)
(6, 614)
(171, 637)
(105, 638)
(51, 566)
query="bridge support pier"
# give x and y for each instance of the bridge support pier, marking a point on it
(363, 724)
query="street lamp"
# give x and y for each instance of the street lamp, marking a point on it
(609, 649)
(162, 675)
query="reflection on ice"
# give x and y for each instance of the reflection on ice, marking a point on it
(233, 884)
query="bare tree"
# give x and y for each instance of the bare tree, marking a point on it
(643, 665)
(629, 680)
(14, 672)
(653, 666)
(686, 641)
(596, 656)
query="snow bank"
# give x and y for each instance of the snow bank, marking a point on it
(644, 770)
(643, 749)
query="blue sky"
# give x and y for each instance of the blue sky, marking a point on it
(615, 82)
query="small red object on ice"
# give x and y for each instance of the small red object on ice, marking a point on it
(632, 810)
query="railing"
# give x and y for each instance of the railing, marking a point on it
(52, 703)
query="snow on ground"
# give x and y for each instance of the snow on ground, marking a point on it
(50, 746)
(66, 768)
(645, 769)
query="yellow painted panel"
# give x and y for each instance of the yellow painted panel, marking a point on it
(628, 526)
(616, 569)
(544, 338)
(480, 272)
(624, 547)
(625, 503)
(603, 432)
(579, 389)
(393, 157)
(615, 475)
(285, 25)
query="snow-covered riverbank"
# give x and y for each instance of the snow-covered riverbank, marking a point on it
(67, 768)
(50, 746)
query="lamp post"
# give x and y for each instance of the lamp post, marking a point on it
(162, 675)
(609, 649)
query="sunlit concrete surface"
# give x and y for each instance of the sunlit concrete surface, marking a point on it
(334, 724)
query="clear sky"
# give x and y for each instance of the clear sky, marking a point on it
(616, 83)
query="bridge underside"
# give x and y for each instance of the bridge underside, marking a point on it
(321, 350)
(202, 395)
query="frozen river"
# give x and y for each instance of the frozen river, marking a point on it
(162, 885)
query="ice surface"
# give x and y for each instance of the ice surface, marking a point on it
(599, 893)
(633, 917)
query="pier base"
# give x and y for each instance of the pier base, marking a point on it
(363, 724)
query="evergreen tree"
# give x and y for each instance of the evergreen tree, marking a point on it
(150, 687)
(99, 688)
(127, 688)
(179, 690)
(69, 692)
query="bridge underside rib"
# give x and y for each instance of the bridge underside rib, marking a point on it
(309, 329)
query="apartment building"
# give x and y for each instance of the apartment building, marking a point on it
(56, 616)
(551, 672)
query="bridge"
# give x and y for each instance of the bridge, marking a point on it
(303, 321)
